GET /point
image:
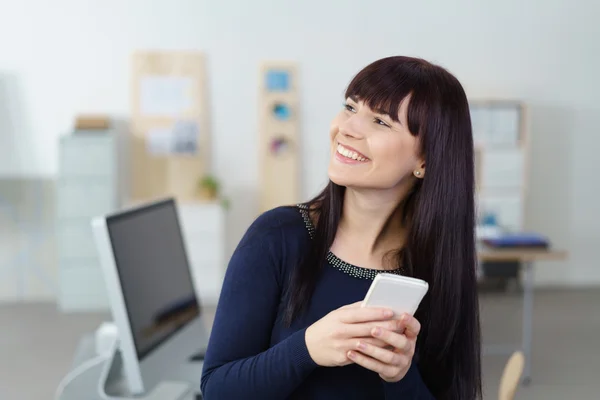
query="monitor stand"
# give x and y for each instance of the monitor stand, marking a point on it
(112, 386)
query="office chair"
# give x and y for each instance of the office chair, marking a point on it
(511, 377)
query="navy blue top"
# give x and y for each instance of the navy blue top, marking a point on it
(253, 355)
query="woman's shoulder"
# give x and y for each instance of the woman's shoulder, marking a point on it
(284, 219)
(280, 233)
(279, 225)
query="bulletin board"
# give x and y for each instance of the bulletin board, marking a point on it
(502, 143)
(279, 151)
(170, 136)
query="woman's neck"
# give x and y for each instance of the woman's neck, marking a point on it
(372, 221)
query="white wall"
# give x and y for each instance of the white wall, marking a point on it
(65, 57)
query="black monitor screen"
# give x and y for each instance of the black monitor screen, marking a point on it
(154, 272)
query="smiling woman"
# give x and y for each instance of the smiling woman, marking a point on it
(289, 323)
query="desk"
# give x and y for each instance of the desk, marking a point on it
(527, 257)
(85, 386)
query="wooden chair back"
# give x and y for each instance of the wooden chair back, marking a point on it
(511, 377)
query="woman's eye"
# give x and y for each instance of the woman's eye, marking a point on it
(380, 122)
(349, 107)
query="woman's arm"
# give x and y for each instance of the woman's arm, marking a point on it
(239, 363)
(410, 387)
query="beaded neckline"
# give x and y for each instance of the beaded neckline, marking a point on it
(335, 261)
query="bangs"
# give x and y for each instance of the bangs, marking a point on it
(384, 84)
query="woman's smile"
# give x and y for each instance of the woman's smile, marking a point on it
(349, 155)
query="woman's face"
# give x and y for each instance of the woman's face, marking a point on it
(371, 151)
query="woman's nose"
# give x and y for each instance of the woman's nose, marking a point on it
(352, 128)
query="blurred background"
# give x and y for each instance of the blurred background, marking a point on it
(91, 91)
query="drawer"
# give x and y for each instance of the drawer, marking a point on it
(202, 218)
(92, 155)
(202, 240)
(83, 303)
(205, 250)
(501, 169)
(75, 239)
(196, 238)
(207, 283)
(206, 262)
(77, 278)
(87, 200)
(507, 208)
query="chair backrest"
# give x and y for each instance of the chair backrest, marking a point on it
(511, 377)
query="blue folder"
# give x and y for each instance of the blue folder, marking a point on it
(522, 239)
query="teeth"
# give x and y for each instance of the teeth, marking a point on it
(350, 154)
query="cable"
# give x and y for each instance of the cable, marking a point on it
(91, 363)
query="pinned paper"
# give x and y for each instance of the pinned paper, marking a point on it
(282, 112)
(165, 96)
(278, 81)
(279, 145)
(180, 139)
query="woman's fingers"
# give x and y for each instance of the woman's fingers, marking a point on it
(366, 329)
(352, 305)
(411, 324)
(385, 370)
(399, 341)
(383, 355)
(375, 342)
(353, 314)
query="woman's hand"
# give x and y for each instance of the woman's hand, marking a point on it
(330, 339)
(391, 364)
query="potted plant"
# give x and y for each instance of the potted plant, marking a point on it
(209, 187)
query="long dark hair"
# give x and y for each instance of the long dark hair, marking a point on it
(439, 213)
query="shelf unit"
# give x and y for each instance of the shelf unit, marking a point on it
(86, 187)
(502, 143)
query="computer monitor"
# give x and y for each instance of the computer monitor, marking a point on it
(151, 293)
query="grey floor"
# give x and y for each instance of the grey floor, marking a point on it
(37, 344)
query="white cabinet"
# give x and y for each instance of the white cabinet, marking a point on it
(86, 187)
(203, 227)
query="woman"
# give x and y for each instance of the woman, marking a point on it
(401, 200)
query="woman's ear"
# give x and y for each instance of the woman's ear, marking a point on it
(419, 172)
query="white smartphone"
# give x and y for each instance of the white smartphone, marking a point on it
(399, 293)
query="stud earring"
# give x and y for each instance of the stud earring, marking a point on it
(417, 173)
